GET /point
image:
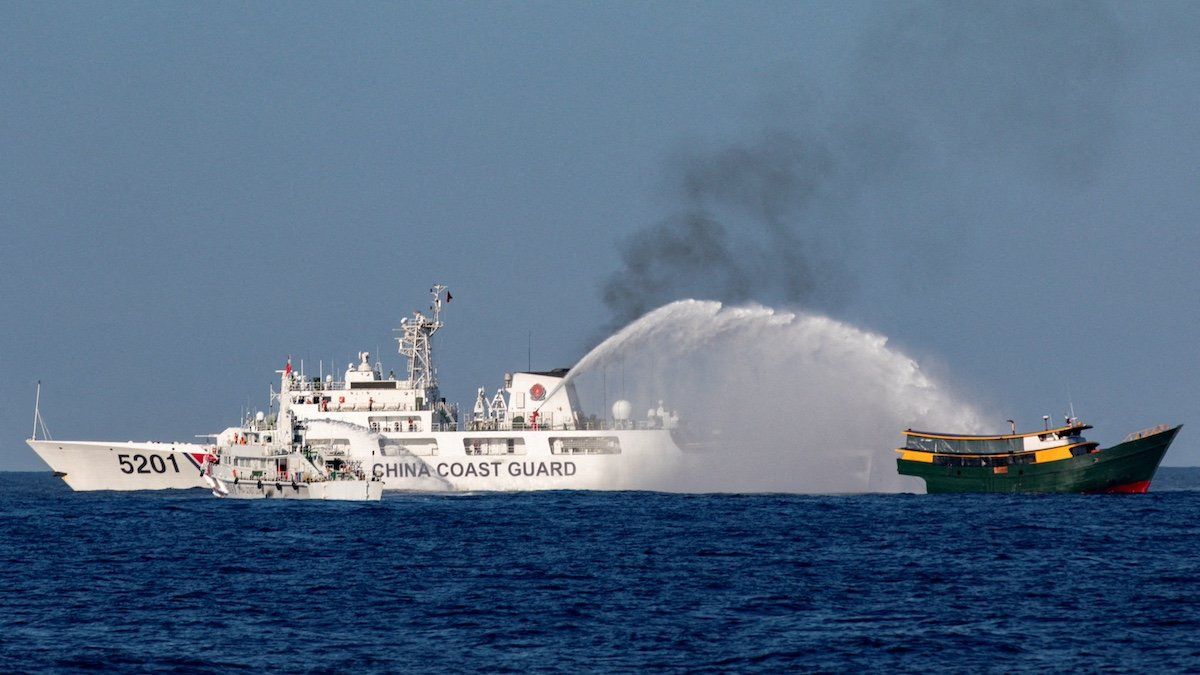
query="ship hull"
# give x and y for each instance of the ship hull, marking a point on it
(126, 466)
(645, 459)
(338, 490)
(1126, 468)
(437, 462)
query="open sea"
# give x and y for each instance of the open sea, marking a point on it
(600, 582)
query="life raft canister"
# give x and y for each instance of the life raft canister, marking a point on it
(537, 392)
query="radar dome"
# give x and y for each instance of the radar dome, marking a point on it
(622, 410)
(260, 416)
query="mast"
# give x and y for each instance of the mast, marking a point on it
(283, 421)
(415, 343)
(38, 422)
(37, 402)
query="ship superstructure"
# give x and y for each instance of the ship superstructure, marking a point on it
(288, 467)
(530, 434)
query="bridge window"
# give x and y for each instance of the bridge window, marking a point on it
(494, 446)
(585, 445)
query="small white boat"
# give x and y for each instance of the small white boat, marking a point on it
(296, 470)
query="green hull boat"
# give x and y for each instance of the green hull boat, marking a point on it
(1053, 460)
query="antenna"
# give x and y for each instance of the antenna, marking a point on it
(1046, 421)
(529, 351)
(1012, 424)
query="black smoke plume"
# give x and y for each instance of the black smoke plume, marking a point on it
(937, 91)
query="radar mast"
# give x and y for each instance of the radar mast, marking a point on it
(415, 344)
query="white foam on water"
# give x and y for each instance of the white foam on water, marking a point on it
(799, 402)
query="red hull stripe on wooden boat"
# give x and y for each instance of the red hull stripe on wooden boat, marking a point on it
(1138, 488)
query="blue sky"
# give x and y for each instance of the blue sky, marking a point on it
(190, 192)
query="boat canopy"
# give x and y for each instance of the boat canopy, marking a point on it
(946, 446)
(961, 444)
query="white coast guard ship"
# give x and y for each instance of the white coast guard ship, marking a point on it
(531, 435)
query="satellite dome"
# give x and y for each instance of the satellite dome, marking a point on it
(622, 410)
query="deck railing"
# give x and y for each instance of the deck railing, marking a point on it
(1158, 429)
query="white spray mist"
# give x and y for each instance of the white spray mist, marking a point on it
(786, 401)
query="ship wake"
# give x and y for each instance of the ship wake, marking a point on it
(780, 401)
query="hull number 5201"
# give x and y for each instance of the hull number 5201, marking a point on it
(146, 463)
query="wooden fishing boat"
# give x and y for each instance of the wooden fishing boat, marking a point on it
(1051, 460)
